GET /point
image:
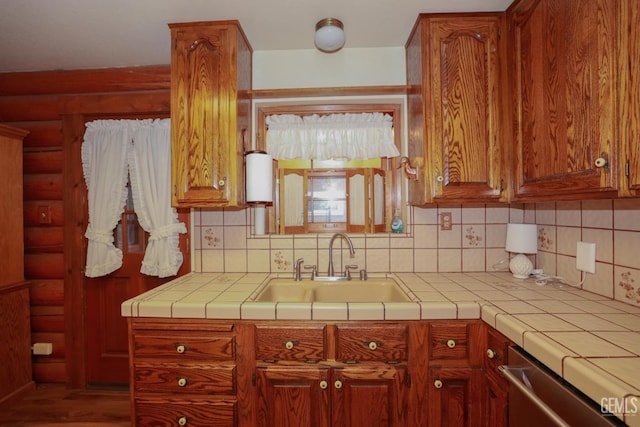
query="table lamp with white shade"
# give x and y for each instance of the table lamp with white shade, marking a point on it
(521, 239)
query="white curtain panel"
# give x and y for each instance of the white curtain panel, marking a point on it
(104, 162)
(150, 173)
(110, 150)
(348, 136)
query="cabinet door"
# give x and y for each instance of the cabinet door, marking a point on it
(465, 108)
(210, 78)
(455, 397)
(455, 108)
(629, 119)
(564, 80)
(496, 410)
(293, 396)
(369, 396)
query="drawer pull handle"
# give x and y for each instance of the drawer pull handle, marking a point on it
(182, 382)
(437, 384)
(373, 346)
(491, 354)
(182, 421)
(181, 348)
(290, 344)
(338, 384)
(451, 343)
(323, 384)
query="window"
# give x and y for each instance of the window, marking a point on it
(315, 196)
(129, 236)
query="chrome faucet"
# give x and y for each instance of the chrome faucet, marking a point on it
(331, 271)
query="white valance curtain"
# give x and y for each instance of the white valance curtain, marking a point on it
(111, 148)
(334, 136)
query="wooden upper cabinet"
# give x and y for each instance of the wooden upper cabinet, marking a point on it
(562, 73)
(454, 74)
(629, 105)
(210, 112)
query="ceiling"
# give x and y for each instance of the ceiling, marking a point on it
(80, 34)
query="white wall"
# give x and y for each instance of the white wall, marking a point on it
(286, 69)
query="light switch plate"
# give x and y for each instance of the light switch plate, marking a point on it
(586, 257)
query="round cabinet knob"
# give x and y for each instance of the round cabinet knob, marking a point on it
(451, 343)
(373, 345)
(601, 162)
(491, 354)
(180, 349)
(182, 382)
(182, 421)
(440, 178)
(337, 384)
(221, 183)
(323, 384)
(437, 384)
(289, 345)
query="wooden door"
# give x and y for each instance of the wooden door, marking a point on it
(563, 76)
(293, 396)
(372, 396)
(107, 344)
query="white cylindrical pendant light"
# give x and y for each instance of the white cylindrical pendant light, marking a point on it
(259, 177)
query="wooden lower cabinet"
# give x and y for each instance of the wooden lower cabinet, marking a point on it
(497, 398)
(455, 398)
(279, 373)
(291, 396)
(496, 405)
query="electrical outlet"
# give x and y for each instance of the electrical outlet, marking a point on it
(445, 221)
(42, 348)
(586, 257)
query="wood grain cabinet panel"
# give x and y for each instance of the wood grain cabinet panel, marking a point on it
(210, 109)
(563, 78)
(455, 108)
(301, 343)
(15, 324)
(183, 371)
(363, 342)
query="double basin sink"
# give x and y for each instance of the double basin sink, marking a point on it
(374, 289)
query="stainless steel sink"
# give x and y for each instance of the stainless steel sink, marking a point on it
(374, 289)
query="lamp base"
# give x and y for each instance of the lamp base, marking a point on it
(520, 266)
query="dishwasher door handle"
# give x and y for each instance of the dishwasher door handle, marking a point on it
(507, 372)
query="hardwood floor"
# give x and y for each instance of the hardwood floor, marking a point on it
(52, 405)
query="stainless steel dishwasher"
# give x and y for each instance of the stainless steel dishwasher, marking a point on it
(539, 397)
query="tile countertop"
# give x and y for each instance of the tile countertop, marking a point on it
(593, 342)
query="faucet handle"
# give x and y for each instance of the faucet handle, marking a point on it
(296, 269)
(347, 270)
(314, 271)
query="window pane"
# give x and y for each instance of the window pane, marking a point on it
(136, 238)
(329, 188)
(327, 211)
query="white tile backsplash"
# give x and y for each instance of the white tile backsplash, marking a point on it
(223, 242)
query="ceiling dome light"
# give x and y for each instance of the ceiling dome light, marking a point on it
(329, 35)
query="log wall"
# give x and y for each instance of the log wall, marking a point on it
(34, 101)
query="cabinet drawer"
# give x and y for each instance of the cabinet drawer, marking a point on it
(184, 345)
(217, 379)
(305, 343)
(371, 342)
(449, 341)
(192, 413)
